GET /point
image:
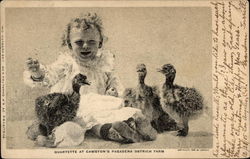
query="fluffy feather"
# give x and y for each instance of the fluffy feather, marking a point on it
(181, 103)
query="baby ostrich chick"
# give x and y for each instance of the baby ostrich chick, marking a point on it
(144, 94)
(147, 99)
(179, 102)
(56, 108)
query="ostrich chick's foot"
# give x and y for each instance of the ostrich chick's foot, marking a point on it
(184, 130)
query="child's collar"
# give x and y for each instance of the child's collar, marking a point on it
(99, 53)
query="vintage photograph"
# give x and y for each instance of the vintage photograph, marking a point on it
(108, 78)
(125, 79)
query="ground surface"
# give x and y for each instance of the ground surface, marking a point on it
(200, 136)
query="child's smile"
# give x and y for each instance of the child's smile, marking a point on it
(85, 43)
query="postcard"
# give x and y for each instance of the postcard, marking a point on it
(125, 79)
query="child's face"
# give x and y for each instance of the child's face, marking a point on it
(85, 43)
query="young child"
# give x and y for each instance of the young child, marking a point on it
(84, 39)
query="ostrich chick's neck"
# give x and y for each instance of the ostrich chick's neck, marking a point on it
(142, 87)
(168, 83)
(75, 96)
(141, 79)
(76, 88)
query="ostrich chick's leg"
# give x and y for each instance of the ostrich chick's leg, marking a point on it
(184, 130)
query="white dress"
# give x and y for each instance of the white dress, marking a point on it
(100, 109)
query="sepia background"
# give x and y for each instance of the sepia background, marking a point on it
(154, 36)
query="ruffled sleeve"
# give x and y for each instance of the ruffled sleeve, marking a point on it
(52, 73)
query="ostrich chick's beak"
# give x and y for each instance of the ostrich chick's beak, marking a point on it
(86, 82)
(159, 70)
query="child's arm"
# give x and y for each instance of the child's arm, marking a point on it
(45, 76)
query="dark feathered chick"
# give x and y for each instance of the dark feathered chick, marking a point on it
(54, 109)
(184, 102)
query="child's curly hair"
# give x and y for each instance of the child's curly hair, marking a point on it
(89, 20)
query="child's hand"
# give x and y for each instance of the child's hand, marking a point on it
(34, 68)
(112, 92)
